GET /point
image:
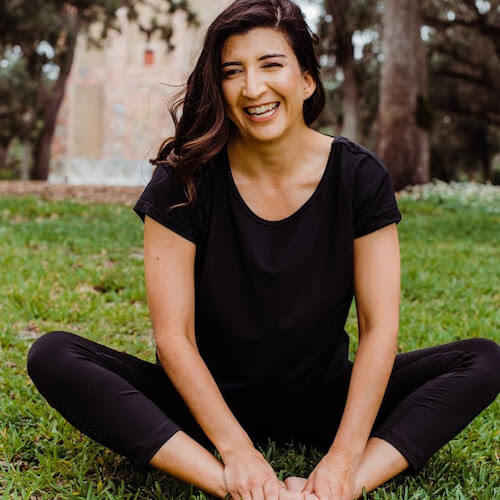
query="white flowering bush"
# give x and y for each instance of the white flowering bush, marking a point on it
(485, 197)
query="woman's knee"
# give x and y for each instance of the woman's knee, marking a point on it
(47, 354)
(486, 359)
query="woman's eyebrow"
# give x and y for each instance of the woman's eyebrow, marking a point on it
(261, 58)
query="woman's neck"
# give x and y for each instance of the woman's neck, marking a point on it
(274, 162)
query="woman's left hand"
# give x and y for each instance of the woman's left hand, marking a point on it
(333, 478)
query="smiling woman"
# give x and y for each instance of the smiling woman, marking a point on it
(258, 233)
(260, 87)
(198, 138)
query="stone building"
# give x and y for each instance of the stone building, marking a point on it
(114, 115)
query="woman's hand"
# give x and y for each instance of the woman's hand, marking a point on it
(248, 476)
(294, 486)
(333, 478)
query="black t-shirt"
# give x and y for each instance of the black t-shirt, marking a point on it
(272, 297)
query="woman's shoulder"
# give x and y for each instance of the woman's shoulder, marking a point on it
(168, 178)
(358, 156)
(369, 185)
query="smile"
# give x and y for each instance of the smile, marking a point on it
(261, 114)
(262, 111)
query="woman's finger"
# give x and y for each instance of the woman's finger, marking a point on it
(258, 493)
(272, 490)
(310, 496)
(238, 495)
(290, 495)
(309, 486)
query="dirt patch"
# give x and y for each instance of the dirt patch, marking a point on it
(123, 195)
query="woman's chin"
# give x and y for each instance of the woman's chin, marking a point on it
(263, 136)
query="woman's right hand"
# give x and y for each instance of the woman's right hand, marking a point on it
(248, 476)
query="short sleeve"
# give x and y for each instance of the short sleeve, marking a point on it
(374, 201)
(163, 191)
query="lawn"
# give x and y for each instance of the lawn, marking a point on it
(79, 267)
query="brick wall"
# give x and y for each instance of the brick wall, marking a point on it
(114, 115)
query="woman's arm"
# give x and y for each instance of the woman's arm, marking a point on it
(169, 272)
(377, 291)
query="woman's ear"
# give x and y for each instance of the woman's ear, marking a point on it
(309, 85)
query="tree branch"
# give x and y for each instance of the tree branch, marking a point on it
(480, 23)
(473, 7)
(476, 80)
(448, 50)
(459, 109)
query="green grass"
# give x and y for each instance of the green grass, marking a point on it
(78, 267)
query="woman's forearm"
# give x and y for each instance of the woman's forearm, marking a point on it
(372, 368)
(194, 382)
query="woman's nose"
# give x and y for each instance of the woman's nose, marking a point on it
(254, 84)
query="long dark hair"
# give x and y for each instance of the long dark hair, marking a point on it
(203, 128)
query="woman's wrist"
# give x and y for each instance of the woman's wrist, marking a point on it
(243, 445)
(351, 455)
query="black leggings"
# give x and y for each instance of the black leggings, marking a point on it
(130, 406)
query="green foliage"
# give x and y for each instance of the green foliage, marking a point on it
(78, 267)
(37, 47)
(462, 108)
(459, 196)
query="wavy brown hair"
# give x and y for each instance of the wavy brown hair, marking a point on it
(203, 127)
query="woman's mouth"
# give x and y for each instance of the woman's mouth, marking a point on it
(262, 113)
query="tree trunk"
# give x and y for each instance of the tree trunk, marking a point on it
(350, 124)
(27, 158)
(398, 143)
(485, 161)
(345, 59)
(51, 103)
(423, 116)
(4, 151)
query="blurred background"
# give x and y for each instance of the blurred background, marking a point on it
(85, 84)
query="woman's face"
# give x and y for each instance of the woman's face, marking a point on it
(263, 84)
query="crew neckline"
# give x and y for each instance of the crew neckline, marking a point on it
(297, 212)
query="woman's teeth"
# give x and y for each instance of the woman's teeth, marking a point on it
(262, 111)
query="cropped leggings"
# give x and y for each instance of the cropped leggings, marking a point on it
(130, 406)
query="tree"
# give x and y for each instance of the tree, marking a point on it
(345, 59)
(44, 34)
(454, 64)
(464, 44)
(343, 19)
(400, 143)
(16, 92)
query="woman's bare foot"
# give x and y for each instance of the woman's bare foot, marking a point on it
(295, 485)
(286, 494)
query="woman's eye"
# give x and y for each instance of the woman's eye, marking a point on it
(231, 72)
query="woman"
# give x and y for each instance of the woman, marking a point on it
(258, 232)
